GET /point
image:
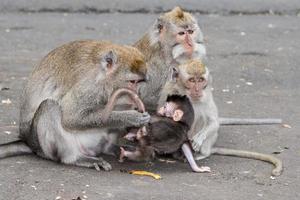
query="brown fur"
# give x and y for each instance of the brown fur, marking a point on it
(178, 16)
(194, 67)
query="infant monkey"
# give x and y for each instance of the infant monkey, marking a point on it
(166, 133)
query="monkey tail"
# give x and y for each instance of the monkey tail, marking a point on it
(252, 155)
(15, 148)
(250, 121)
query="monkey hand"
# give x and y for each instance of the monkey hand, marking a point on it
(136, 119)
(197, 141)
(127, 118)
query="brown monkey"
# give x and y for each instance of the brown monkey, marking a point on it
(174, 38)
(166, 133)
(61, 116)
(192, 79)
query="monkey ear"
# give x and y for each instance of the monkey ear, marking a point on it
(108, 61)
(156, 31)
(174, 74)
(177, 115)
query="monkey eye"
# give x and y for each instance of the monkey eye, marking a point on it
(192, 80)
(181, 33)
(190, 31)
(201, 79)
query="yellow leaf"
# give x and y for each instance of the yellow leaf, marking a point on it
(145, 173)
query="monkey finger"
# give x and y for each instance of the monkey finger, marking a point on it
(104, 164)
(205, 169)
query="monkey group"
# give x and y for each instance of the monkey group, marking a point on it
(84, 94)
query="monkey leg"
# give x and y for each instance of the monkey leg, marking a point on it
(73, 148)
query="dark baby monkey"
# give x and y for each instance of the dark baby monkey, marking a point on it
(166, 133)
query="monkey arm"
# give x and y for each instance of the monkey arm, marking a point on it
(93, 119)
(205, 138)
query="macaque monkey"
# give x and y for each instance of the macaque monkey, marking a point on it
(173, 39)
(192, 79)
(61, 116)
(165, 133)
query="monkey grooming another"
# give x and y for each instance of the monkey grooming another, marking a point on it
(192, 79)
(62, 109)
(166, 133)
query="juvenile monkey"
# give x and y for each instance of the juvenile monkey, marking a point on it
(192, 79)
(173, 39)
(61, 116)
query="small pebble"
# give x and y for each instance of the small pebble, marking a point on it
(229, 102)
(7, 132)
(249, 83)
(7, 101)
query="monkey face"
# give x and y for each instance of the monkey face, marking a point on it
(124, 67)
(195, 86)
(179, 32)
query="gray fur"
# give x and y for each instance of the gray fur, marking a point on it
(61, 110)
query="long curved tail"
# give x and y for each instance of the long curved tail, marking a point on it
(249, 121)
(252, 155)
(15, 148)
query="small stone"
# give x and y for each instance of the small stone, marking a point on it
(272, 177)
(7, 132)
(249, 83)
(7, 101)
(34, 187)
(242, 33)
(229, 102)
(58, 197)
(225, 90)
(286, 126)
(270, 26)
(7, 30)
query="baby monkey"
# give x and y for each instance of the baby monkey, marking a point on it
(166, 133)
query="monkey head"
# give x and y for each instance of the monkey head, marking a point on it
(123, 66)
(193, 78)
(179, 108)
(179, 32)
(170, 109)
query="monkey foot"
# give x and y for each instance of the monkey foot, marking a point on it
(122, 155)
(102, 164)
(203, 169)
(130, 136)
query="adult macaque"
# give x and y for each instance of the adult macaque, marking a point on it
(165, 133)
(174, 38)
(61, 115)
(192, 79)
